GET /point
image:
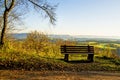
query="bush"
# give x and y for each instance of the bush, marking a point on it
(36, 41)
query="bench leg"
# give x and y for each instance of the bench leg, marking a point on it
(90, 57)
(66, 57)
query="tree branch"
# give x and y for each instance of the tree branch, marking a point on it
(11, 5)
(48, 11)
(5, 2)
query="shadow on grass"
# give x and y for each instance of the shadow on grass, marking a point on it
(105, 58)
(76, 61)
(79, 61)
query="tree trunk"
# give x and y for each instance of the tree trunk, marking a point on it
(4, 27)
(5, 17)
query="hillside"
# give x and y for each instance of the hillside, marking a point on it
(75, 37)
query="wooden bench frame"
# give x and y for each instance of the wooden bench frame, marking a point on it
(78, 50)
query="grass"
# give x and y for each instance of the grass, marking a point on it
(23, 61)
(30, 56)
(17, 65)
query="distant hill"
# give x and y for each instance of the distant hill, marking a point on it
(70, 37)
(20, 35)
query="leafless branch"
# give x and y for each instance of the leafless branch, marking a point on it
(48, 9)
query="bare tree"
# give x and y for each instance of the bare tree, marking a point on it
(9, 6)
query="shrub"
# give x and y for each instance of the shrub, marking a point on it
(36, 41)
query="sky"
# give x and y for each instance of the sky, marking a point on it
(79, 17)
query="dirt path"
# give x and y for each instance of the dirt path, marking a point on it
(57, 75)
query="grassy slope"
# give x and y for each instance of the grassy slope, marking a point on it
(18, 61)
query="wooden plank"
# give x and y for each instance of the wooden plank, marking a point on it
(77, 46)
(77, 49)
(77, 52)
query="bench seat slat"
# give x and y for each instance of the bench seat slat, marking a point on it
(77, 46)
(78, 49)
(77, 52)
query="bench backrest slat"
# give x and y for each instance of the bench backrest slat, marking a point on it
(77, 49)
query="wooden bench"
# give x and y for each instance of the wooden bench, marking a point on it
(78, 50)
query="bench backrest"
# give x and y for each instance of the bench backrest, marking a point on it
(77, 49)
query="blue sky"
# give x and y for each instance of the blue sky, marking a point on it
(80, 17)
